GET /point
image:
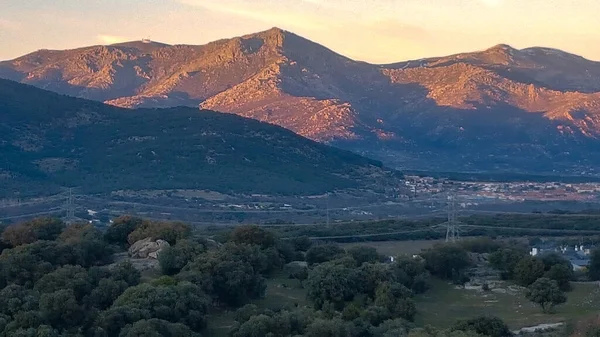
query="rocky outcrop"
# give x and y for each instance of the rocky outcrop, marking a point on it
(147, 248)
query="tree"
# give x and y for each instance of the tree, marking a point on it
(392, 328)
(24, 266)
(329, 282)
(553, 259)
(412, 274)
(15, 299)
(233, 279)
(259, 325)
(351, 312)
(111, 321)
(244, 313)
(481, 245)
(324, 253)
(183, 303)
(31, 231)
(371, 275)
(546, 293)
(268, 323)
(484, 325)
(120, 228)
(562, 274)
(168, 231)
(78, 232)
(107, 291)
(74, 278)
(528, 270)
(594, 268)
(364, 254)
(253, 235)
(40, 331)
(61, 309)
(157, 328)
(301, 243)
(18, 235)
(445, 261)
(506, 260)
(329, 328)
(173, 258)
(126, 272)
(396, 298)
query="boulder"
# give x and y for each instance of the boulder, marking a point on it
(147, 248)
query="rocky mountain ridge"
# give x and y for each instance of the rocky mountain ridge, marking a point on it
(497, 109)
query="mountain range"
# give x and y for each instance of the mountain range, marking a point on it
(534, 110)
(49, 141)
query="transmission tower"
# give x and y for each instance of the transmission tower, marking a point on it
(452, 224)
(70, 208)
(328, 210)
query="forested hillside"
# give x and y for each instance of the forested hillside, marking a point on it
(48, 140)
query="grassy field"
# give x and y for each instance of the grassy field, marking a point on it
(395, 248)
(442, 305)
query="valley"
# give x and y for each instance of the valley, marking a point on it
(371, 169)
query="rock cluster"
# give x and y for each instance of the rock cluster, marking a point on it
(147, 248)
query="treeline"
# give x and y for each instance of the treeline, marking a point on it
(60, 281)
(358, 292)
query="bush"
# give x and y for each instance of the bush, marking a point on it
(486, 326)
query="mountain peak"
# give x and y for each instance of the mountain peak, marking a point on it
(502, 47)
(277, 30)
(142, 45)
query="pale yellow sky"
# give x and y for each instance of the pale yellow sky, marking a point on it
(377, 31)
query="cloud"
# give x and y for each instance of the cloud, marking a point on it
(111, 39)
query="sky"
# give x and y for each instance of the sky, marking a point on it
(377, 31)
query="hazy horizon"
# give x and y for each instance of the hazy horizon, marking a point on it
(381, 31)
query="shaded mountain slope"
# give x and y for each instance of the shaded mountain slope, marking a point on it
(48, 140)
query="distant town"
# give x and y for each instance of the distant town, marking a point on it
(506, 191)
